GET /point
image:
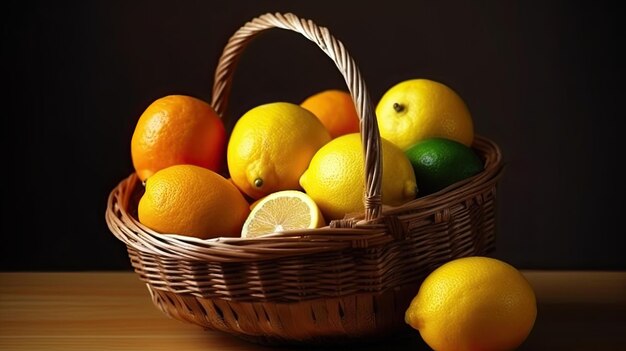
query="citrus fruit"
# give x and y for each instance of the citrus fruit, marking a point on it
(440, 162)
(271, 146)
(473, 303)
(194, 201)
(417, 109)
(335, 178)
(335, 109)
(281, 211)
(177, 129)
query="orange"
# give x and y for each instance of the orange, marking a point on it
(193, 201)
(335, 109)
(177, 129)
(474, 303)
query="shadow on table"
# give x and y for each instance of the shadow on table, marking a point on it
(401, 341)
(568, 326)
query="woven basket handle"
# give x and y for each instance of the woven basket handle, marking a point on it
(335, 50)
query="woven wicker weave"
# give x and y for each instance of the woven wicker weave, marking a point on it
(348, 281)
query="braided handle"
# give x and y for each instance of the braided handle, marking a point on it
(335, 50)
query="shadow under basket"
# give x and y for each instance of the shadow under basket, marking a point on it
(350, 281)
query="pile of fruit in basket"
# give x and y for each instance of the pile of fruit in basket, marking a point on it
(293, 166)
(287, 166)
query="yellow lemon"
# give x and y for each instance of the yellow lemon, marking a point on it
(281, 211)
(418, 109)
(335, 178)
(271, 146)
(194, 201)
(474, 303)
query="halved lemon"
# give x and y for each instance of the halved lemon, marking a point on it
(281, 211)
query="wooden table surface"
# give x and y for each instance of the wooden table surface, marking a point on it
(113, 311)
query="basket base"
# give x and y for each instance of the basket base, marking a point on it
(352, 319)
(379, 341)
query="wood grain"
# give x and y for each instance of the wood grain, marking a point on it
(113, 311)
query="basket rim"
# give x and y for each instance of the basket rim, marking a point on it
(351, 232)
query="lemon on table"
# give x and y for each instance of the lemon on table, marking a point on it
(281, 211)
(194, 201)
(335, 109)
(474, 303)
(440, 162)
(418, 109)
(271, 146)
(335, 178)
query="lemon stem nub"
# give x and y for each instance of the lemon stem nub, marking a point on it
(398, 107)
(258, 182)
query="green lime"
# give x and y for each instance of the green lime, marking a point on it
(440, 162)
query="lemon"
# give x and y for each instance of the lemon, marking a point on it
(418, 109)
(281, 211)
(194, 201)
(440, 162)
(335, 178)
(271, 146)
(474, 303)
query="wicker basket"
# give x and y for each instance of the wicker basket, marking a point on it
(351, 280)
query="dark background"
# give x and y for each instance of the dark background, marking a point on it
(542, 79)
